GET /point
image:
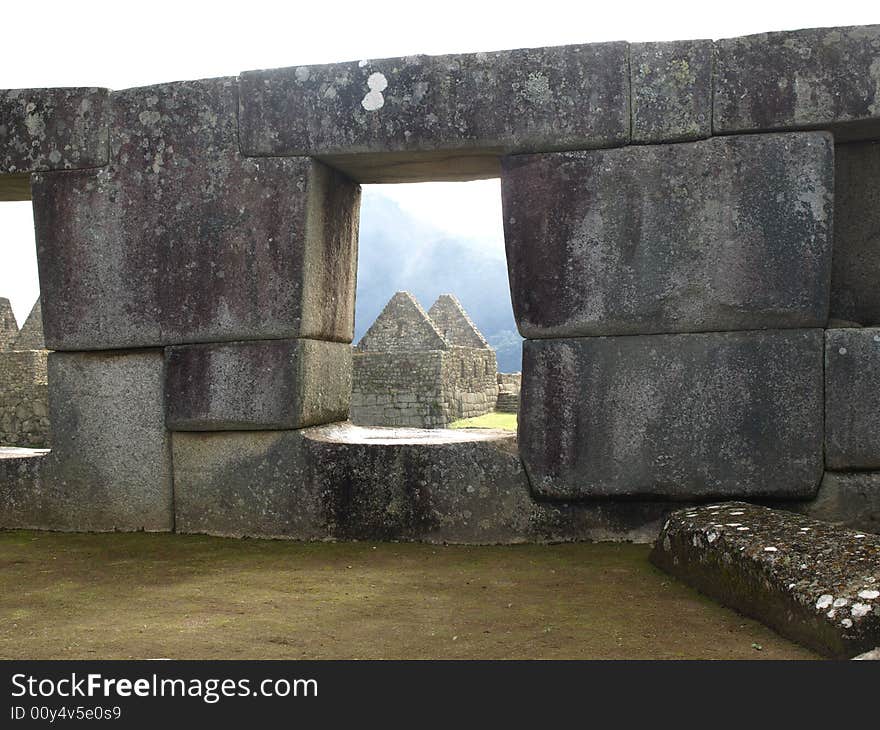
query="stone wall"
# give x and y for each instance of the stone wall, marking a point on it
(426, 389)
(24, 414)
(668, 215)
(399, 389)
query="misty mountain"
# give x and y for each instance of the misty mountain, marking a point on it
(399, 252)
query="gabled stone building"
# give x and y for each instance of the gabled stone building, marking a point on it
(422, 369)
(24, 408)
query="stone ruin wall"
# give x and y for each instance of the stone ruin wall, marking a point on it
(24, 401)
(720, 197)
(409, 371)
(399, 389)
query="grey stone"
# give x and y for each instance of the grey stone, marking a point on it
(346, 482)
(180, 239)
(855, 295)
(271, 384)
(849, 499)
(246, 484)
(852, 398)
(671, 90)
(52, 129)
(22, 505)
(819, 77)
(813, 582)
(439, 117)
(730, 233)
(8, 325)
(30, 337)
(457, 486)
(679, 416)
(110, 465)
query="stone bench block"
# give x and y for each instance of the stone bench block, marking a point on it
(852, 398)
(671, 91)
(730, 233)
(52, 129)
(439, 117)
(180, 239)
(272, 384)
(677, 416)
(855, 295)
(820, 77)
(110, 464)
(813, 582)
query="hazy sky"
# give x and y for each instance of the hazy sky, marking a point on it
(121, 44)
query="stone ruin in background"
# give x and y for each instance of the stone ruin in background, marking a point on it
(422, 369)
(24, 401)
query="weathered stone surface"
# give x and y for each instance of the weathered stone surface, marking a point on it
(271, 384)
(24, 399)
(439, 117)
(238, 484)
(180, 239)
(30, 337)
(730, 233)
(8, 325)
(52, 129)
(346, 482)
(852, 398)
(457, 328)
(110, 465)
(402, 326)
(855, 295)
(681, 416)
(820, 77)
(851, 499)
(815, 583)
(671, 90)
(21, 488)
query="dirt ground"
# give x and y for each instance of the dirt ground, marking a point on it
(187, 597)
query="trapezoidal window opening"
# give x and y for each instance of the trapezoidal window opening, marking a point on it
(24, 408)
(436, 345)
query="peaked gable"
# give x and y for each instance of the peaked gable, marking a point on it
(8, 325)
(30, 337)
(454, 323)
(402, 326)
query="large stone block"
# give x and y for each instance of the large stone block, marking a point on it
(852, 398)
(110, 465)
(813, 582)
(439, 117)
(671, 90)
(730, 233)
(52, 129)
(271, 384)
(820, 77)
(855, 295)
(181, 239)
(246, 484)
(346, 482)
(851, 499)
(678, 416)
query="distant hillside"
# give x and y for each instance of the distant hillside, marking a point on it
(399, 252)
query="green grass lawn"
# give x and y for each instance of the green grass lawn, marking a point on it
(505, 421)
